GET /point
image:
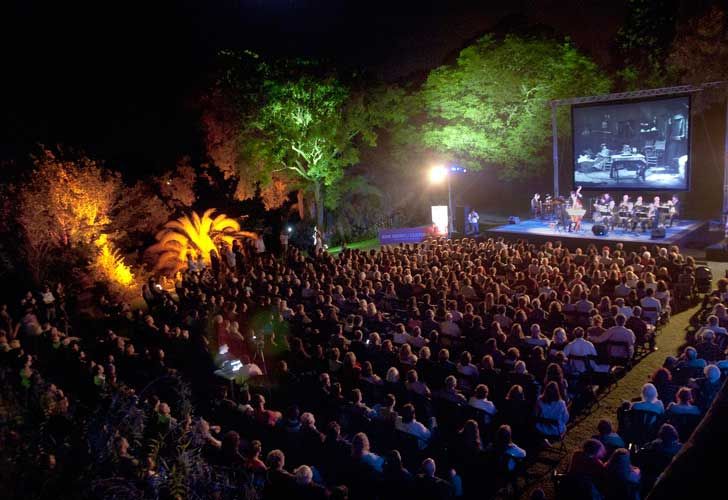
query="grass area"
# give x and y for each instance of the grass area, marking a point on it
(358, 245)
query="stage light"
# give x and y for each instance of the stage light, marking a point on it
(438, 174)
(290, 229)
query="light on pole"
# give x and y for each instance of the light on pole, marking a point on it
(439, 174)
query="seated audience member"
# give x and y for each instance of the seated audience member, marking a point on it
(707, 387)
(430, 487)
(537, 338)
(655, 456)
(618, 333)
(480, 401)
(662, 380)
(642, 332)
(683, 404)
(623, 479)
(652, 307)
(253, 463)
(579, 347)
(305, 487)
(450, 392)
(360, 452)
(610, 439)
(397, 481)
(263, 416)
(552, 407)
(407, 423)
(279, 483)
(650, 401)
(505, 450)
(385, 411)
(690, 359)
(587, 462)
(706, 347)
(667, 442)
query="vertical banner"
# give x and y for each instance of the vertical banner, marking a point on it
(440, 218)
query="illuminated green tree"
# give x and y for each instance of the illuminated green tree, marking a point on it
(492, 106)
(297, 126)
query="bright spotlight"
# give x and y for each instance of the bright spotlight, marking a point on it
(290, 229)
(438, 174)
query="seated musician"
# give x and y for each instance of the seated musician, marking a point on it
(653, 215)
(624, 211)
(638, 213)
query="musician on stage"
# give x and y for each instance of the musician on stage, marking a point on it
(576, 198)
(625, 206)
(605, 199)
(624, 211)
(576, 203)
(536, 205)
(637, 209)
(653, 214)
(674, 211)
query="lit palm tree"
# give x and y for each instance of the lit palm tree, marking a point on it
(195, 235)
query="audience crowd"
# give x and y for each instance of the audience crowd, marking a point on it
(438, 368)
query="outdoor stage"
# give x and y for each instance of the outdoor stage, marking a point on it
(539, 231)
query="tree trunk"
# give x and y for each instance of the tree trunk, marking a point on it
(301, 206)
(319, 204)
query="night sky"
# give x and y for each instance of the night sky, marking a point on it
(121, 79)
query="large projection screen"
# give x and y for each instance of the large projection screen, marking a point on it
(635, 145)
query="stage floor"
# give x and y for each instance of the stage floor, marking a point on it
(541, 230)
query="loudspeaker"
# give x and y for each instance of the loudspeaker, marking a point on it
(658, 232)
(514, 219)
(459, 219)
(599, 230)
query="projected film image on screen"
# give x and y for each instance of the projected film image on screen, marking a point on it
(632, 145)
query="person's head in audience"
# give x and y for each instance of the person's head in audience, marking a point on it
(619, 466)
(393, 461)
(359, 445)
(551, 393)
(620, 319)
(662, 376)
(649, 393)
(712, 373)
(304, 475)
(276, 460)
(408, 413)
(668, 435)
(481, 392)
(428, 467)
(593, 448)
(578, 332)
(392, 375)
(515, 393)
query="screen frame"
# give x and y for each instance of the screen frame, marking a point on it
(688, 174)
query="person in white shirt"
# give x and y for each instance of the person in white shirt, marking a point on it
(259, 245)
(624, 309)
(480, 401)
(651, 307)
(449, 327)
(473, 226)
(406, 422)
(579, 347)
(618, 333)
